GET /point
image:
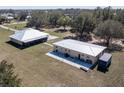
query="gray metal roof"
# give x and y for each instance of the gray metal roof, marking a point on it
(105, 57)
(82, 47)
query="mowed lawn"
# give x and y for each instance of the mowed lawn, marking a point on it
(18, 26)
(37, 69)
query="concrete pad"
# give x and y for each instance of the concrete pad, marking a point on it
(48, 44)
(73, 62)
(51, 37)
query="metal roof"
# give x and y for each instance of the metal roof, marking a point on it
(28, 34)
(82, 47)
(105, 57)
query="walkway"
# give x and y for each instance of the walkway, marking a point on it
(23, 22)
(8, 28)
(48, 44)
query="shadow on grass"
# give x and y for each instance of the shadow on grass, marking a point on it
(61, 30)
(102, 70)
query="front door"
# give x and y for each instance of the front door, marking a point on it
(79, 57)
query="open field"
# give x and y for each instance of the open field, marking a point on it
(18, 26)
(37, 69)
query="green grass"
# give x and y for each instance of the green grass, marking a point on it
(37, 69)
(61, 35)
(17, 26)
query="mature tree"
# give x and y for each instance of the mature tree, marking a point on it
(101, 15)
(64, 21)
(22, 16)
(54, 17)
(119, 15)
(107, 13)
(97, 14)
(7, 76)
(83, 23)
(2, 19)
(38, 19)
(110, 29)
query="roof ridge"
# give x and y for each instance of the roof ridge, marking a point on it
(91, 50)
(23, 31)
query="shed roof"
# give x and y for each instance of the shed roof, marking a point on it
(82, 47)
(105, 57)
(28, 34)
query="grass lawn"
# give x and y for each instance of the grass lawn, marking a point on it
(37, 69)
(17, 26)
(61, 35)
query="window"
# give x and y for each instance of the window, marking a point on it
(89, 61)
(82, 54)
(88, 57)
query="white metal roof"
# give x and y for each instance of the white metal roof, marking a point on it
(28, 34)
(10, 17)
(82, 47)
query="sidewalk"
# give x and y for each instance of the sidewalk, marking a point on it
(8, 28)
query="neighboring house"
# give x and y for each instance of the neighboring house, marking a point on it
(28, 18)
(86, 52)
(8, 17)
(28, 36)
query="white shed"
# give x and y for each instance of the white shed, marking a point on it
(27, 36)
(81, 50)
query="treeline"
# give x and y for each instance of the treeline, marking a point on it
(105, 22)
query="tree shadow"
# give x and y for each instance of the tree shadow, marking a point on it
(61, 30)
(70, 37)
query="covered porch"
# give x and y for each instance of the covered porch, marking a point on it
(71, 61)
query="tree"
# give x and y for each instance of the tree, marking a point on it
(22, 16)
(83, 23)
(110, 29)
(119, 15)
(7, 76)
(64, 21)
(38, 19)
(54, 17)
(101, 15)
(107, 13)
(2, 19)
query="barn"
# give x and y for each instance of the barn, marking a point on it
(86, 52)
(28, 36)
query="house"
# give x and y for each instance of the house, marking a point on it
(28, 36)
(8, 17)
(86, 52)
(28, 17)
